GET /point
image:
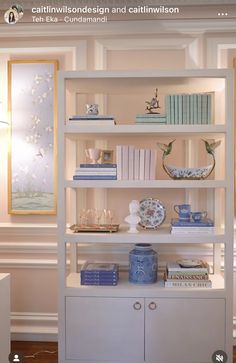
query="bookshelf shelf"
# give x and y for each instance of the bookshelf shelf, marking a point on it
(166, 184)
(82, 306)
(159, 236)
(81, 132)
(127, 289)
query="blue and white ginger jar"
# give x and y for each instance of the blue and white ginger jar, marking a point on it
(143, 264)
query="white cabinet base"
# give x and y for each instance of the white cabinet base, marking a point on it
(112, 329)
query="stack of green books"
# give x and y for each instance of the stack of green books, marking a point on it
(189, 109)
(151, 118)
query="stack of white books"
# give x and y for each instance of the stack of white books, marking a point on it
(93, 120)
(135, 164)
(95, 172)
(187, 275)
(203, 226)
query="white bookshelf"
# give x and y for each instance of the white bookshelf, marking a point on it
(5, 336)
(74, 315)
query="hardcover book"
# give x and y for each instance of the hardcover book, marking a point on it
(100, 267)
(94, 177)
(91, 117)
(99, 166)
(177, 268)
(190, 284)
(206, 222)
(93, 122)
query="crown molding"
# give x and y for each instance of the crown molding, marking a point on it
(136, 28)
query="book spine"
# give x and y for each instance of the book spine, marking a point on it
(99, 274)
(119, 151)
(91, 117)
(95, 173)
(95, 170)
(99, 283)
(94, 177)
(209, 108)
(131, 162)
(199, 109)
(195, 109)
(172, 109)
(141, 164)
(125, 162)
(176, 110)
(191, 284)
(180, 109)
(191, 118)
(151, 116)
(184, 109)
(204, 223)
(153, 161)
(92, 122)
(147, 164)
(187, 270)
(168, 110)
(187, 276)
(151, 121)
(136, 164)
(98, 166)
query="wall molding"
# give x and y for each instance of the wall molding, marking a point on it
(134, 27)
(190, 45)
(214, 47)
(34, 326)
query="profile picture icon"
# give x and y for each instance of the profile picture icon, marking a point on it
(15, 357)
(13, 14)
(18, 8)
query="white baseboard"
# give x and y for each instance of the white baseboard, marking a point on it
(34, 327)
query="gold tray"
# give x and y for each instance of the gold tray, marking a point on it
(94, 228)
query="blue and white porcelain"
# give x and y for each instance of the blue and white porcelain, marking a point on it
(184, 211)
(189, 173)
(152, 213)
(143, 264)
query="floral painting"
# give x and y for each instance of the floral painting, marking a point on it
(32, 104)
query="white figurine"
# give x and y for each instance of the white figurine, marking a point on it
(133, 219)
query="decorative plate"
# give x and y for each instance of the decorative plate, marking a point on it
(152, 213)
(189, 263)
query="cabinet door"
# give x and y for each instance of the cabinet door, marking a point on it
(184, 330)
(106, 329)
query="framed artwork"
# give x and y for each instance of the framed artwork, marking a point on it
(32, 183)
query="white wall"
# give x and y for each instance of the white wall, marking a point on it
(28, 243)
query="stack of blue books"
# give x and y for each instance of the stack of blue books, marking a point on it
(205, 225)
(106, 274)
(96, 172)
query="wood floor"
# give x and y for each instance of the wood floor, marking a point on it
(28, 349)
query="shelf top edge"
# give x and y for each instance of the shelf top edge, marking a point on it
(133, 128)
(205, 73)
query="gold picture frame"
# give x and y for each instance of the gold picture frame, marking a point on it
(234, 66)
(32, 106)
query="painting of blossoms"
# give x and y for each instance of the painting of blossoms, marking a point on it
(32, 101)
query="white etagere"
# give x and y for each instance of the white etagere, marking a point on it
(81, 307)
